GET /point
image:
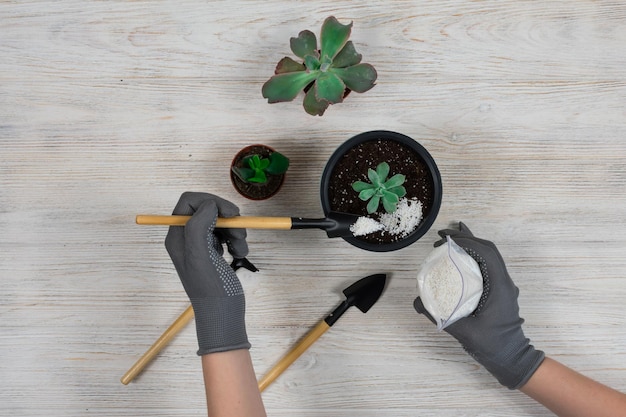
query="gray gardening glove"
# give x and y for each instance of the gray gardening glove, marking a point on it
(212, 286)
(492, 334)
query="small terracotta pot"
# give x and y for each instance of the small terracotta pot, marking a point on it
(255, 191)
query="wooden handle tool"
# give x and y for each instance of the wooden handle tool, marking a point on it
(161, 342)
(335, 224)
(293, 354)
(361, 294)
(187, 315)
(243, 222)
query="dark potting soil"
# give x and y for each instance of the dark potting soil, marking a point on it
(353, 167)
(256, 191)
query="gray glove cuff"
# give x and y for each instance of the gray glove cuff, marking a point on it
(514, 365)
(220, 323)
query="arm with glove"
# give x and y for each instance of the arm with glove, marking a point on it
(493, 336)
(218, 302)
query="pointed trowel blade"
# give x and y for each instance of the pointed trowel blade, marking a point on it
(365, 292)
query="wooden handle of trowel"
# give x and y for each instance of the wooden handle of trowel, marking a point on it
(161, 342)
(293, 354)
(243, 222)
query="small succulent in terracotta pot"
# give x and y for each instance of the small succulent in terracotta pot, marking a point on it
(326, 74)
(258, 171)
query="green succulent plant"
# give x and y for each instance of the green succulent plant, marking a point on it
(256, 168)
(389, 191)
(324, 73)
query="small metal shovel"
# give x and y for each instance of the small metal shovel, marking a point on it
(335, 224)
(362, 294)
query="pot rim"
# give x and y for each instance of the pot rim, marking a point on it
(426, 223)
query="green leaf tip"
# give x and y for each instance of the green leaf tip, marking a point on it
(347, 57)
(277, 164)
(305, 44)
(333, 37)
(288, 65)
(329, 87)
(285, 87)
(314, 106)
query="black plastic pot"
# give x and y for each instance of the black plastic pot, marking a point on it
(422, 161)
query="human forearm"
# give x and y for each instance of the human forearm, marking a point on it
(569, 394)
(231, 385)
(218, 302)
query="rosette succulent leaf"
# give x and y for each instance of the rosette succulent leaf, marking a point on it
(389, 191)
(325, 73)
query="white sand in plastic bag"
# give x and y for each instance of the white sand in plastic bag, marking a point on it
(445, 286)
(450, 283)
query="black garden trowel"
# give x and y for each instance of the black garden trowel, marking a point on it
(334, 224)
(363, 294)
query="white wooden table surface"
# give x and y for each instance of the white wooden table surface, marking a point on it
(109, 109)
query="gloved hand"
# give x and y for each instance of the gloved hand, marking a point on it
(212, 286)
(492, 334)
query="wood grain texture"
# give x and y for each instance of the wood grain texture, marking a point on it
(110, 109)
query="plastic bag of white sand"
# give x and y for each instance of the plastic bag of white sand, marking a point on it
(449, 284)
